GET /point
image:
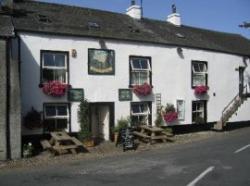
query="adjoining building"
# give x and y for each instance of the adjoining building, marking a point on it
(104, 56)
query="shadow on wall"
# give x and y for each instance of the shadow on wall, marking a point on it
(30, 80)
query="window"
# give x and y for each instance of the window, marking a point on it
(140, 113)
(199, 73)
(181, 109)
(56, 116)
(54, 66)
(140, 70)
(199, 111)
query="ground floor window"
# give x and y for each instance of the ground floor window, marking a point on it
(56, 116)
(140, 113)
(199, 111)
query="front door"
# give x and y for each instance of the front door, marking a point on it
(100, 121)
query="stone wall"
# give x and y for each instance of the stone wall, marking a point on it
(3, 96)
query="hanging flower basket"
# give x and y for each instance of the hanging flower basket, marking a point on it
(170, 116)
(142, 90)
(169, 113)
(201, 90)
(55, 88)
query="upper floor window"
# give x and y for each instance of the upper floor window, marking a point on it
(101, 62)
(199, 73)
(140, 70)
(54, 66)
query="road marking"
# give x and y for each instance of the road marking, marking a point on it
(241, 149)
(204, 173)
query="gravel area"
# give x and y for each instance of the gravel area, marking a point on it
(105, 149)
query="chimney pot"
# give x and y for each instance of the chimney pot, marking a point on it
(174, 18)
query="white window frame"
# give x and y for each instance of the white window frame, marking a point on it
(180, 111)
(140, 70)
(65, 67)
(200, 72)
(56, 116)
(146, 113)
(199, 111)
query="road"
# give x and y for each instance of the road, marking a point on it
(222, 160)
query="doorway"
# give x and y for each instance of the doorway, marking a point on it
(102, 116)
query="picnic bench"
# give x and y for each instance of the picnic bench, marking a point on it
(61, 143)
(150, 134)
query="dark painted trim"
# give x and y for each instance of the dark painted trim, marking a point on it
(101, 74)
(195, 61)
(130, 70)
(129, 40)
(57, 103)
(54, 51)
(8, 99)
(241, 81)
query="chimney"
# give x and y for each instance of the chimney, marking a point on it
(134, 11)
(174, 18)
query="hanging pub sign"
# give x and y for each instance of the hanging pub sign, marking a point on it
(125, 95)
(101, 61)
(75, 95)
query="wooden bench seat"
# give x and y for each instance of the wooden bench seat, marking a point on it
(76, 141)
(141, 135)
(159, 137)
(45, 144)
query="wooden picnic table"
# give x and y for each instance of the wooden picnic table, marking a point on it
(150, 134)
(61, 143)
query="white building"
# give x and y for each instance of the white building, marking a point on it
(103, 54)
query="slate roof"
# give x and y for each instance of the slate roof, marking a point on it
(69, 20)
(6, 27)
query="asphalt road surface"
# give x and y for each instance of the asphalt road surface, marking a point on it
(223, 160)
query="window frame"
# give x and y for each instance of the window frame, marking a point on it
(66, 53)
(148, 113)
(198, 73)
(131, 70)
(204, 102)
(178, 111)
(67, 117)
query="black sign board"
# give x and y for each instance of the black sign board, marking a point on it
(127, 138)
(125, 95)
(75, 95)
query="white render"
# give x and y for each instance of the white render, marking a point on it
(175, 19)
(171, 76)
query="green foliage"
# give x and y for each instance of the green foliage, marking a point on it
(121, 124)
(84, 120)
(159, 121)
(169, 108)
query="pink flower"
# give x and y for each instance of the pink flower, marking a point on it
(142, 90)
(55, 88)
(170, 116)
(200, 90)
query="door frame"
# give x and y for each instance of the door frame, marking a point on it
(111, 106)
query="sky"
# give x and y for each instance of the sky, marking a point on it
(219, 15)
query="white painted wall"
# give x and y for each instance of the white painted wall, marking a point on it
(171, 76)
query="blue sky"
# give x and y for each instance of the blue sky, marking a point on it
(220, 15)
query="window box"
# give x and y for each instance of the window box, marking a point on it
(201, 90)
(55, 88)
(142, 90)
